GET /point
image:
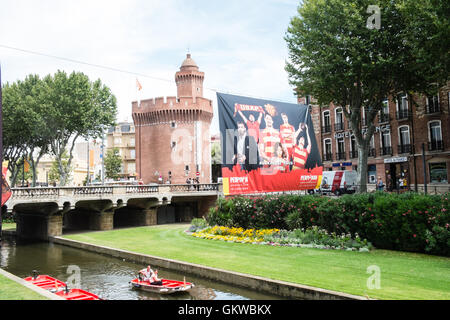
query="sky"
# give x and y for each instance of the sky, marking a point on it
(239, 45)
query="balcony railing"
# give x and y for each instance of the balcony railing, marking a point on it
(386, 151)
(353, 154)
(403, 114)
(327, 157)
(404, 148)
(372, 152)
(339, 126)
(326, 128)
(340, 156)
(436, 145)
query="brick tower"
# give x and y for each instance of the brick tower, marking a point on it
(173, 133)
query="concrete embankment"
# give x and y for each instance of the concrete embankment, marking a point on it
(281, 288)
(34, 288)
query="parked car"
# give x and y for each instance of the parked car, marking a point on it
(338, 182)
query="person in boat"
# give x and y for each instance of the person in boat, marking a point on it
(154, 280)
(147, 273)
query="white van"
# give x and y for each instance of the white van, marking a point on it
(338, 182)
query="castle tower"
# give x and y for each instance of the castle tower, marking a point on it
(173, 133)
(189, 80)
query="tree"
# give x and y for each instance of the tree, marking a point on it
(76, 108)
(54, 173)
(339, 54)
(26, 134)
(113, 164)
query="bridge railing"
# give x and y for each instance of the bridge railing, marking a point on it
(142, 189)
(35, 192)
(194, 187)
(52, 192)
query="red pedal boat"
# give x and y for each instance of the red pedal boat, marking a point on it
(60, 288)
(167, 287)
(77, 294)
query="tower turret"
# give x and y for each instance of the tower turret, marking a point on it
(189, 79)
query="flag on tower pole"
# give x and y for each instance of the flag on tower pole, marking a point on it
(138, 85)
(138, 88)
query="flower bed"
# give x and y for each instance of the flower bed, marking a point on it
(407, 222)
(234, 234)
(309, 238)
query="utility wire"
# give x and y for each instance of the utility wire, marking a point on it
(121, 70)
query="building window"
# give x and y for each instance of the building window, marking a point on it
(133, 154)
(402, 107)
(404, 142)
(339, 120)
(340, 154)
(132, 142)
(435, 136)
(432, 104)
(327, 152)
(438, 172)
(372, 152)
(117, 141)
(386, 148)
(384, 113)
(353, 147)
(326, 122)
(132, 168)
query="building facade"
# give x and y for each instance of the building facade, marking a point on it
(408, 127)
(173, 133)
(122, 137)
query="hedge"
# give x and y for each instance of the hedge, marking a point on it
(408, 221)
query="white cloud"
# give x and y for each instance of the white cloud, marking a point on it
(238, 44)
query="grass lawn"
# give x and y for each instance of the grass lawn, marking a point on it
(403, 275)
(8, 226)
(11, 290)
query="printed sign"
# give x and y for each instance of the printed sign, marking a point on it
(267, 146)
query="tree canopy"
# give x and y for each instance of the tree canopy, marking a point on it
(48, 115)
(339, 56)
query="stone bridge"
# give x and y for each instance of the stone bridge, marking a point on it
(43, 212)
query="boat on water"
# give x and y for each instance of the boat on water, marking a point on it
(167, 287)
(60, 288)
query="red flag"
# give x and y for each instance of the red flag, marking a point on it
(6, 190)
(138, 85)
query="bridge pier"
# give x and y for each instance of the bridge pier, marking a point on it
(101, 221)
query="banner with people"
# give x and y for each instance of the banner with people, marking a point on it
(267, 146)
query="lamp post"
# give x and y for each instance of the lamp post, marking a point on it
(87, 164)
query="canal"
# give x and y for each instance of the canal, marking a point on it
(106, 276)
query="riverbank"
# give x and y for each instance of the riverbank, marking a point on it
(402, 275)
(14, 288)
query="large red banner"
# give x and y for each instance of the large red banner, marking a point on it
(267, 146)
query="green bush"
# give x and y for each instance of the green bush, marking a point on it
(407, 221)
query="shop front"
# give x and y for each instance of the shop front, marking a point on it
(397, 174)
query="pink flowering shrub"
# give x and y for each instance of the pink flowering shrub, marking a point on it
(407, 222)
